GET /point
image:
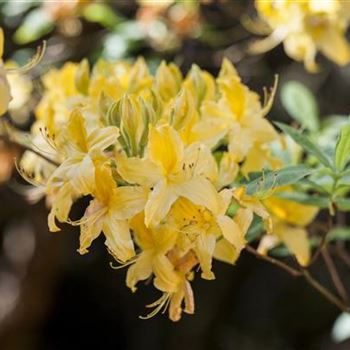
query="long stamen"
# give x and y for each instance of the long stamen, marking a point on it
(32, 63)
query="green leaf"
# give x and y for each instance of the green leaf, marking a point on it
(255, 230)
(35, 25)
(102, 14)
(306, 144)
(304, 198)
(340, 233)
(269, 180)
(301, 104)
(342, 150)
(343, 204)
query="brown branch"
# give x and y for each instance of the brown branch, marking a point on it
(323, 240)
(280, 264)
(302, 272)
(322, 290)
(342, 253)
(334, 274)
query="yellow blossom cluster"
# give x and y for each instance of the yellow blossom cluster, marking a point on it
(159, 155)
(305, 27)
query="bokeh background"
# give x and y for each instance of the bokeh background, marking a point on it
(51, 298)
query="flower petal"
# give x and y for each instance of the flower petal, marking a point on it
(200, 191)
(139, 271)
(165, 148)
(102, 138)
(118, 238)
(127, 201)
(159, 203)
(138, 171)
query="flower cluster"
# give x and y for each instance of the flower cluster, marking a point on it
(305, 27)
(156, 154)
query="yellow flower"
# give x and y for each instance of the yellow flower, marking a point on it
(172, 171)
(289, 222)
(182, 298)
(239, 116)
(155, 243)
(81, 149)
(202, 228)
(5, 93)
(109, 212)
(306, 27)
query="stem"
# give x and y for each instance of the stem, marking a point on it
(327, 294)
(280, 264)
(323, 240)
(305, 273)
(334, 274)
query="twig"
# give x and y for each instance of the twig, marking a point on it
(280, 264)
(302, 272)
(334, 274)
(323, 241)
(328, 295)
(343, 255)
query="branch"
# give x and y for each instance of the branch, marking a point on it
(334, 274)
(327, 294)
(323, 241)
(278, 263)
(302, 272)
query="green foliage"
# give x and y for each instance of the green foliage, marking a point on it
(35, 25)
(301, 104)
(305, 142)
(269, 180)
(342, 150)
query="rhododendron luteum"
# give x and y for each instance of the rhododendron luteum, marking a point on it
(143, 147)
(305, 27)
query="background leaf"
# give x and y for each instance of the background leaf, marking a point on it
(272, 179)
(301, 104)
(342, 150)
(306, 144)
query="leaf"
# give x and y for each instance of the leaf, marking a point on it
(35, 25)
(269, 180)
(304, 198)
(340, 233)
(343, 204)
(342, 150)
(102, 14)
(255, 230)
(306, 144)
(301, 104)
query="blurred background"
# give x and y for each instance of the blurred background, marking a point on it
(51, 298)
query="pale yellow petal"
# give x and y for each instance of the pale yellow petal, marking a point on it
(297, 242)
(159, 203)
(200, 191)
(225, 252)
(205, 245)
(139, 271)
(91, 227)
(118, 238)
(166, 280)
(127, 201)
(268, 242)
(100, 139)
(231, 232)
(138, 171)
(82, 176)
